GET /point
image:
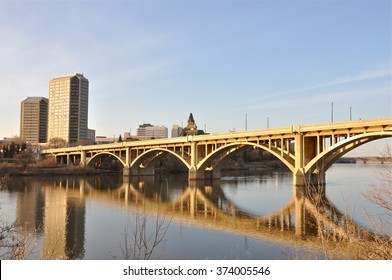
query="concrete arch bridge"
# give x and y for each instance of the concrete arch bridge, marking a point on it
(307, 151)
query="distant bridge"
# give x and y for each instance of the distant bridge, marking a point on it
(308, 151)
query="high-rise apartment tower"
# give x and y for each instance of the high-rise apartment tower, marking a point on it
(34, 120)
(68, 108)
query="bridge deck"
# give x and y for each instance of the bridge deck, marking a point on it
(306, 150)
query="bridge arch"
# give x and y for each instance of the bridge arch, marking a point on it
(324, 160)
(104, 155)
(214, 160)
(156, 153)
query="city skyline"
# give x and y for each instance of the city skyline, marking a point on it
(155, 62)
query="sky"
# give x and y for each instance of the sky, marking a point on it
(224, 61)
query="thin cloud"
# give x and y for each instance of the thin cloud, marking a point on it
(318, 99)
(360, 77)
(368, 75)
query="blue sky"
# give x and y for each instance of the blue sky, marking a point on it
(157, 61)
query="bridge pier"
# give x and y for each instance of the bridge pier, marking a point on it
(298, 179)
(195, 174)
(83, 159)
(126, 171)
(314, 179)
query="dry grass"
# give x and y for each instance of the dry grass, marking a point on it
(363, 244)
(46, 163)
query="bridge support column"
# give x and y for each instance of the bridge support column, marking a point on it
(299, 173)
(83, 159)
(195, 174)
(299, 178)
(126, 171)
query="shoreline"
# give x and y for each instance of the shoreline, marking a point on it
(19, 171)
(53, 171)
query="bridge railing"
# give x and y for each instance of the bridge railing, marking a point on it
(229, 135)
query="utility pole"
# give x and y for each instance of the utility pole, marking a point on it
(246, 122)
(332, 112)
(267, 122)
(351, 116)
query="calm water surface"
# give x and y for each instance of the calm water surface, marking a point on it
(242, 217)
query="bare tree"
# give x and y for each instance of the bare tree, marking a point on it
(372, 244)
(381, 194)
(4, 180)
(57, 143)
(25, 158)
(144, 235)
(15, 244)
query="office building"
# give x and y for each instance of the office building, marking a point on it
(91, 136)
(149, 131)
(68, 108)
(176, 131)
(141, 130)
(156, 132)
(34, 120)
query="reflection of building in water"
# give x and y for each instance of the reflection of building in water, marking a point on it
(55, 224)
(64, 221)
(58, 211)
(30, 205)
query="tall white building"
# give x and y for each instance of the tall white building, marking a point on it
(68, 108)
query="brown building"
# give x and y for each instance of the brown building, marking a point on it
(34, 120)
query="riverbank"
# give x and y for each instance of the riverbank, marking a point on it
(18, 171)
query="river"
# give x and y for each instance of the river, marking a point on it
(237, 217)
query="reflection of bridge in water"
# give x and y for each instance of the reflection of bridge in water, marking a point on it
(57, 210)
(306, 218)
